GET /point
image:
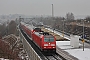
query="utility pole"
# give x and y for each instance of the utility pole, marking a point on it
(83, 36)
(7, 27)
(63, 28)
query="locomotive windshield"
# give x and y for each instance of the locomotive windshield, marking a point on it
(48, 39)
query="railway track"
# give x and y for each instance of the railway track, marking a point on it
(58, 57)
(54, 57)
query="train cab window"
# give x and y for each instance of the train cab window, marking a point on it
(37, 29)
(48, 39)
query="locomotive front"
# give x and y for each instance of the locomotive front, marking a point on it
(49, 43)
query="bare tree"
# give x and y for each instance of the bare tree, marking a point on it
(88, 18)
(69, 16)
(12, 27)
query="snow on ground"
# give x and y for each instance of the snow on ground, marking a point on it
(3, 59)
(80, 54)
(76, 52)
(63, 44)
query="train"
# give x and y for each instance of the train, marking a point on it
(45, 41)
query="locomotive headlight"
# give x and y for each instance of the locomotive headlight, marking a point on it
(53, 47)
(52, 44)
(44, 47)
(45, 44)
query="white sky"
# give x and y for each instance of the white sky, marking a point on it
(43, 7)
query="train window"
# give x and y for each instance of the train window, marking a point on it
(48, 39)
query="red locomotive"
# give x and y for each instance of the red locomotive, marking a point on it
(44, 40)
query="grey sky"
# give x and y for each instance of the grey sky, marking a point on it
(43, 7)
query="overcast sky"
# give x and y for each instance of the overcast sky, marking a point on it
(44, 7)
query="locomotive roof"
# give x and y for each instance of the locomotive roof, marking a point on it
(46, 34)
